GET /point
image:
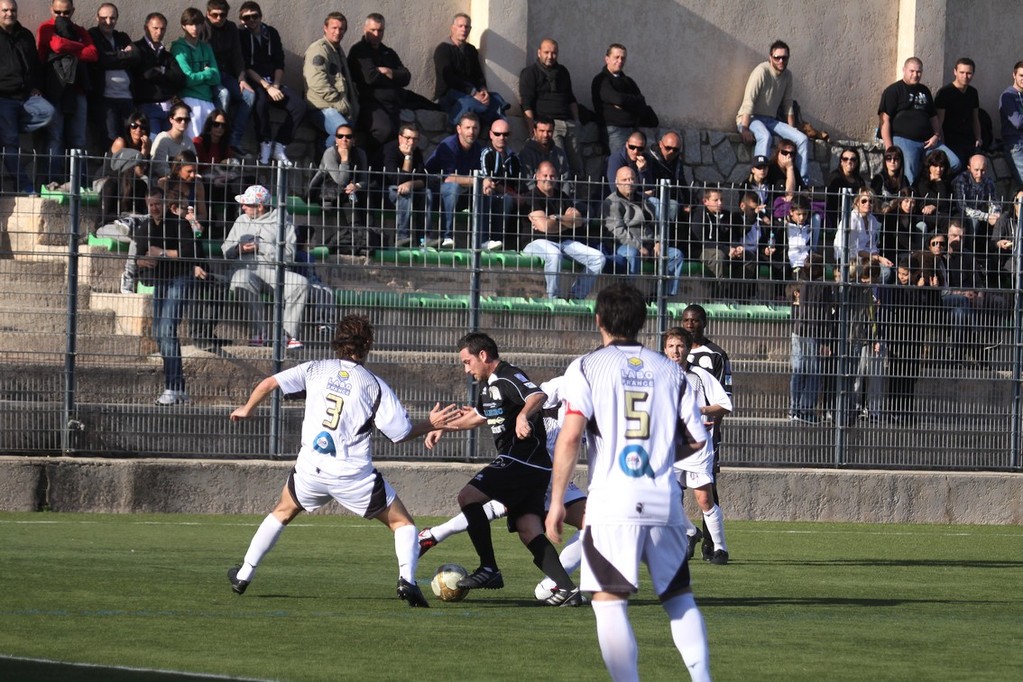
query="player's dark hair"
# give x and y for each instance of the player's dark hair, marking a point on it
(966, 61)
(353, 338)
(779, 43)
(677, 333)
(698, 310)
(622, 310)
(477, 342)
(546, 120)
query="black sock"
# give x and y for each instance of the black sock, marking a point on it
(479, 532)
(546, 559)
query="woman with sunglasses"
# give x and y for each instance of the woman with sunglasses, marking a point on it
(891, 178)
(934, 187)
(197, 61)
(212, 145)
(184, 181)
(124, 171)
(858, 235)
(846, 176)
(170, 143)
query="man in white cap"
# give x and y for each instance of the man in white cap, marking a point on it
(253, 243)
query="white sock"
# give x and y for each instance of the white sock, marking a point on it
(689, 634)
(572, 554)
(262, 542)
(617, 641)
(406, 548)
(458, 524)
(716, 527)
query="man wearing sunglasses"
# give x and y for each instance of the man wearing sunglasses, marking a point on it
(768, 91)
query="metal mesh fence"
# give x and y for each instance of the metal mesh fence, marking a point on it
(884, 334)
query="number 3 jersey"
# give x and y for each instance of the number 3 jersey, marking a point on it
(344, 401)
(637, 404)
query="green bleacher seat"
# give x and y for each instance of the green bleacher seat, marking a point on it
(109, 243)
(89, 197)
(296, 205)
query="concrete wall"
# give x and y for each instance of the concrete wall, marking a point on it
(429, 489)
(691, 58)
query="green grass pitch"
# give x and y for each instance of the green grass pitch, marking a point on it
(800, 601)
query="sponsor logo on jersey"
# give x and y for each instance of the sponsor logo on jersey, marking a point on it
(636, 363)
(342, 387)
(634, 460)
(637, 378)
(324, 444)
(493, 412)
(495, 394)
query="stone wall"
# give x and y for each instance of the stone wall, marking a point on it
(430, 489)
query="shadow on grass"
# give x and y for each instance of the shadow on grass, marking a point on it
(743, 602)
(55, 671)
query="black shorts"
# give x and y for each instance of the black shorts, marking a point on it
(520, 487)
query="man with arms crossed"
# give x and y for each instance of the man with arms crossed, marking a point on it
(344, 401)
(637, 410)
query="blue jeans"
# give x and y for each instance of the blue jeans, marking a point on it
(629, 255)
(14, 118)
(457, 103)
(158, 118)
(422, 199)
(1016, 154)
(230, 92)
(169, 298)
(67, 131)
(332, 119)
(451, 193)
(805, 383)
(617, 136)
(913, 152)
(494, 209)
(764, 127)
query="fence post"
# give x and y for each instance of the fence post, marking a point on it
(843, 367)
(662, 260)
(1017, 339)
(280, 345)
(71, 424)
(475, 276)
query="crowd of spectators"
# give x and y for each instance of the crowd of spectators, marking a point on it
(164, 112)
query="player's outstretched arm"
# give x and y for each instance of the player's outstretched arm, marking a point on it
(263, 389)
(439, 416)
(566, 454)
(523, 429)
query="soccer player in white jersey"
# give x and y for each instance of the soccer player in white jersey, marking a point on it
(697, 470)
(639, 415)
(344, 401)
(575, 502)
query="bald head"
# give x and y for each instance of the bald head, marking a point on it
(625, 178)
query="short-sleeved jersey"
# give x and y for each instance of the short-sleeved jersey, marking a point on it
(344, 401)
(553, 409)
(500, 402)
(636, 403)
(706, 390)
(714, 359)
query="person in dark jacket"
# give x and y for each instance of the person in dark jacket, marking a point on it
(157, 77)
(22, 107)
(617, 101)
(234, 90)
(461, 85)
(113, 98)
(407, 189)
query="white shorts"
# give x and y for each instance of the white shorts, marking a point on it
(612, 554)
(572, 494)
(366, 495)
(695, 479)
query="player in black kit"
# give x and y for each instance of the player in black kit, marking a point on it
(518, 477)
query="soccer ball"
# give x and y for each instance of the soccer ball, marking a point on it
(445, 582)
